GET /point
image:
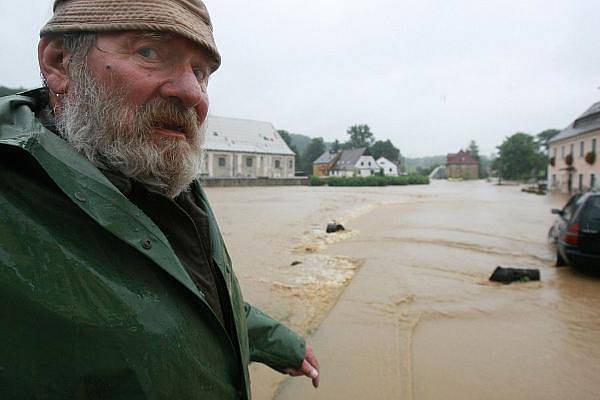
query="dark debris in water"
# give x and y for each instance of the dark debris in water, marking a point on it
(509, 275)
(335, 227)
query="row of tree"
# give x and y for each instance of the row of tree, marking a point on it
(522, 156)
(360, 136)
(6, 91)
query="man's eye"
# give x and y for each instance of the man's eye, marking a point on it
(148, 52)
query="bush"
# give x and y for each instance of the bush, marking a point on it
(372, 180)
(316, 181)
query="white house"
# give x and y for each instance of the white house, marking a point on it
(243, 148)
(355, 162)
(389, 167)
(573, 165)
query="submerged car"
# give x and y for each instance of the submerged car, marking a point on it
(576, 231)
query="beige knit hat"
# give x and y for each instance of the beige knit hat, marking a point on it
(188, 18)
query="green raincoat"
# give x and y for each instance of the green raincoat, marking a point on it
(94, 303)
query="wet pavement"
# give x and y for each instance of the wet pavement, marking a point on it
(399, 306)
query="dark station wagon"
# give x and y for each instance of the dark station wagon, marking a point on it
(576, 231)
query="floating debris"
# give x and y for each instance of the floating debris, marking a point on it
(509, 275)
(335, 227)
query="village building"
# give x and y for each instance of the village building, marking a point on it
(325, 162)
(461, 165)
(354, 162)
(573, 165)
(242, 148)
(388, 167)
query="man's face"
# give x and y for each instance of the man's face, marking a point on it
(147, 66)
(138, 105)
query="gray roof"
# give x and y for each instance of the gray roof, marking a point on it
(243, 135)
(349, 158)
(586, 122)
(325, 158)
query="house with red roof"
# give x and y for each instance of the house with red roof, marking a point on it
(462, 165)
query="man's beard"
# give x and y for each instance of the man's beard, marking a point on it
(117, 136)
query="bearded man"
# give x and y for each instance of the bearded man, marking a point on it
(115, 281)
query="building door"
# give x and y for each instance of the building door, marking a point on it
(570, 183)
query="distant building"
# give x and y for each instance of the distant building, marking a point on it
(462, 165)
(354, 162)
(573, 164)
(242, 148)
(389, 168)
(325, 162)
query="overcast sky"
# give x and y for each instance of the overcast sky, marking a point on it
(428, 75)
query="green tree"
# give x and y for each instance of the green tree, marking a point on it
(5, 91)
(544, 137)
(360, 136)
(384, 149)
(287, 138)
(473, 150)
(315, 148)
(519, 157)
(336, 146)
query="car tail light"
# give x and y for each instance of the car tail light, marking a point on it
(572, 235)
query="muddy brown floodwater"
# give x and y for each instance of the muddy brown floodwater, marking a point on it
(399, 306)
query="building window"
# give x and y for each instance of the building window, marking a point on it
(222, 162)
(562, 151)
(369, 163)
(390, 170)
(553, 180)
(277, 164)
(594, 145)
(554, 152)
(580, 182)
(572, 149)
(592, 181)
(581, 148)
(248, 162)
(362, 163)
(290, 164)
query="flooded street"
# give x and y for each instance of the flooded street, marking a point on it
(399, 306)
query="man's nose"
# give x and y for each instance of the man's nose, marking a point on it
(185, 87)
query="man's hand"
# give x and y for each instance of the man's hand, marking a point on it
(309, 367)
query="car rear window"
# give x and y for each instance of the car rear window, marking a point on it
(593, 208)
(572, 205)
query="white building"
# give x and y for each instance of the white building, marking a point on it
(389, 167)
(243, 148)
(355, 162)
(573, 165)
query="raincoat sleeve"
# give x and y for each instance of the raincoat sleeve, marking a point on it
(271, 342)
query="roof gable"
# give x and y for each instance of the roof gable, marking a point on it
(326, 157)
(586, 122)
(460, 158)
(349, 158)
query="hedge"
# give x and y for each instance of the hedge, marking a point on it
(369, 180)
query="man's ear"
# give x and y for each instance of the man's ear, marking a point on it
(52, 59)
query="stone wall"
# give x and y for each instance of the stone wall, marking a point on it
(226, 182)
